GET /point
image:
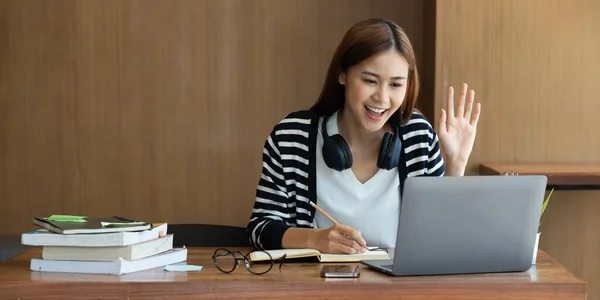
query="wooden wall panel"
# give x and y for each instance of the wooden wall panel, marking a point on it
(154, 109)
(533, 65)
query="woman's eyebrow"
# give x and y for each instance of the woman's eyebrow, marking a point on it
(375, 75)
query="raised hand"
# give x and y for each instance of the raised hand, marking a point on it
(457, 130)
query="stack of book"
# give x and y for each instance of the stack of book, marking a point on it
(104, 245)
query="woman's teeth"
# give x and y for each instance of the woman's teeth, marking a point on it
(378, 111)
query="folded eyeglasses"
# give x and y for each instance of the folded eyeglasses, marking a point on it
(227, 261)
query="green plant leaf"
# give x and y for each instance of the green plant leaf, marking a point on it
(546, 201)
(545, 204)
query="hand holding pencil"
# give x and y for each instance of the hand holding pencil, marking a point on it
(339, 238)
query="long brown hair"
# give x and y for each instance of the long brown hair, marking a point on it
(361, 41)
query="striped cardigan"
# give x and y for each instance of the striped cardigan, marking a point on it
(288, 178)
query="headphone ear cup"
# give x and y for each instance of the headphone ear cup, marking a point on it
(336, 153)
(389, 154)
(395, 152)
(382, 159)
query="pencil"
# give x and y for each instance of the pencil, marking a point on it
(324, 213)
(329, 217)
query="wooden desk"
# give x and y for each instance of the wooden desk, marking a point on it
(560, 175)
(547, 280)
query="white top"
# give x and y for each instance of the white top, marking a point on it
(372, 208)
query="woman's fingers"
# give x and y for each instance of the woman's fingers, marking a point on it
(336, 246)
(475, 118)
(470, 101)
(461, 100)
(350, 243)
(348, 237)
(352, 234)
(466, 100)
(450, 102)
(442, 121)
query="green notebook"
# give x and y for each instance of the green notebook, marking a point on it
(66, 224)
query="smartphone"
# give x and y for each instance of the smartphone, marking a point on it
(340, 271)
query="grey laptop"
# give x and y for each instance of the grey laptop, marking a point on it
(470, 224)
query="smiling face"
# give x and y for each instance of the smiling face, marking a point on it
(375, 89)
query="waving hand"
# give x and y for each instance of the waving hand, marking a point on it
(457, 130)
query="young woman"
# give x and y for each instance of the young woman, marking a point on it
(352, 150)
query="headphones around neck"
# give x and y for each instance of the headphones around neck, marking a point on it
(338, 156)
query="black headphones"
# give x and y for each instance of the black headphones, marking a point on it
(338, 156)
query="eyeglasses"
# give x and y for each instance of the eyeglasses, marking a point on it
(226, 261)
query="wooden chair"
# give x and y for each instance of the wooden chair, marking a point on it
(207, 235)
(10, 246)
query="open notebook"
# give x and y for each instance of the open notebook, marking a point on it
(374, 254)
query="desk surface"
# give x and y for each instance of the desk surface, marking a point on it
(546, 280)
(576, 175)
